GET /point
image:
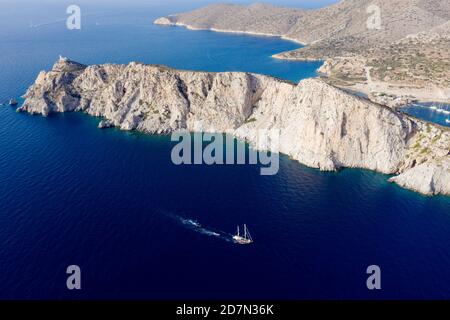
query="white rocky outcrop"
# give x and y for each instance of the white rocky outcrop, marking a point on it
(320, 126)
(164, 21)
(430, 178)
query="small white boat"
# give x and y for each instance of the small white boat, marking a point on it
(246, 238)
(13, 102)
(447, 120)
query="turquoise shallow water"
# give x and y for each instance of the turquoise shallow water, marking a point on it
(113, 202)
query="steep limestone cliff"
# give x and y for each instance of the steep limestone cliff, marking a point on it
(320, 126)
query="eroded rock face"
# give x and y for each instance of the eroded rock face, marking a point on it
(325, 128)
(430, 178)
(320, 126)
(52, 91)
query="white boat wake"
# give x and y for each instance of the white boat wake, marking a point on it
(56, 21)
(194, 225)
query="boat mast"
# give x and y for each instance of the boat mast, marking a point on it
(238, 231)
(247, 234)
(245, 231)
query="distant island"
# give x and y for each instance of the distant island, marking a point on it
(320, 125)
(407, 58)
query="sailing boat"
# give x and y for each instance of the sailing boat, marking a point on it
(246, 238)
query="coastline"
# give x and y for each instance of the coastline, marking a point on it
(418, 95)
(396, 91)
(400, 142)
(140, 226)
(262, 34)
(279, 56)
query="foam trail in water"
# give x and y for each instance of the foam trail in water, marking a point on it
(194, 225)
(57, 21)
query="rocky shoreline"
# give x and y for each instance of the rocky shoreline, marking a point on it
(320, 125)
(165, 21)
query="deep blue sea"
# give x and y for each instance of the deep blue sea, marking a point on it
(113, 203)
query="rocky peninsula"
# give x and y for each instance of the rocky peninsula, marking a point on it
(320, 125)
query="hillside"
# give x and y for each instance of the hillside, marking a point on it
(409, 49)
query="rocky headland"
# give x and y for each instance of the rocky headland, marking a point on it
(320, 125)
